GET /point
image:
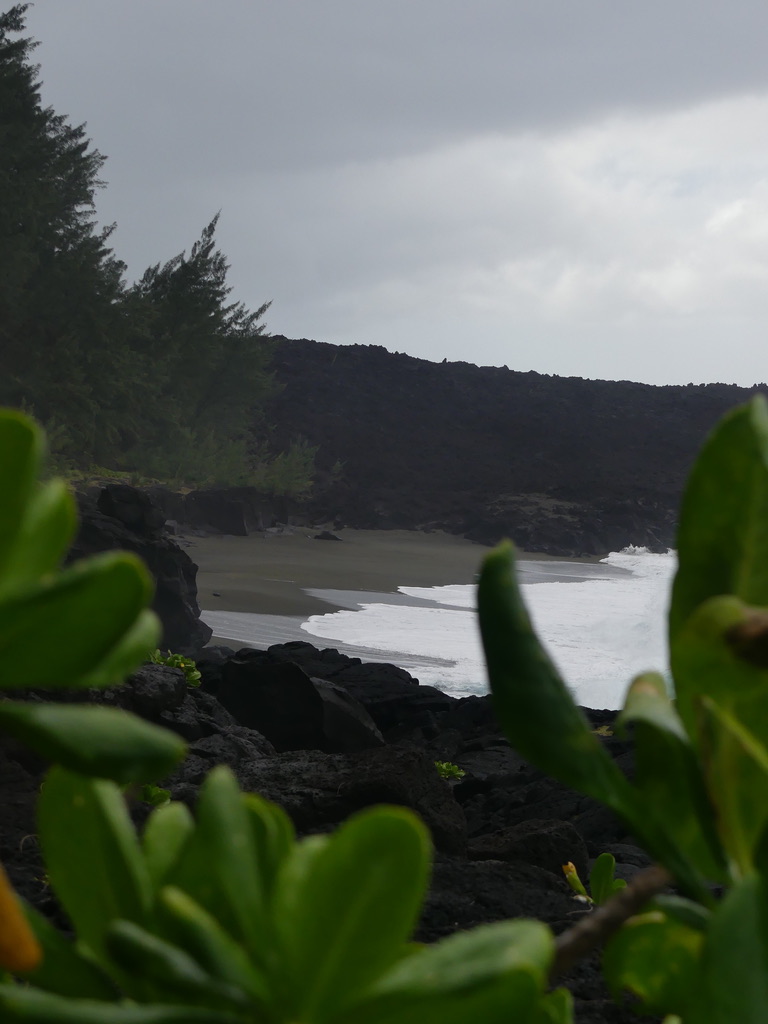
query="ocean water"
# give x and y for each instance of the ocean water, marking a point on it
(602, 623)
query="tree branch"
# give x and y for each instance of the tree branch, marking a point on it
(595, 928)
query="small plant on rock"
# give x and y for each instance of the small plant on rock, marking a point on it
(449, 771)
(602, 883)
(187, 665)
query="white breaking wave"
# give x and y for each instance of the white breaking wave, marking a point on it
(602, 627)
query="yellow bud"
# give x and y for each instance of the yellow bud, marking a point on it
(19, 949)
(572, 878)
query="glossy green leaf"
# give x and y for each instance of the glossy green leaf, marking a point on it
(218, 867)
(531, 701)
(31, 1006)
(556, 1008)
(56, 634)
(128, 654)
(92, 855)
(106, 742)
(346, 915)
(43, 538)
(494, 973)
(166, 833)
(734, 981)
(273, 834)
(722, 539)
(602, 884)
(64, 969)
(736, 764)
(171, 971)
(687, 912)
(21, 453)
(648, 701)
(669, 779)
(657, 959)
(705, 663)
(192, 928)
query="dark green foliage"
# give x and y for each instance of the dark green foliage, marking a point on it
(59, 281)
(206, 361)
(163, 379)
(229, 912)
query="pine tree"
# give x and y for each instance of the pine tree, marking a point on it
(59, 281)
(166, 377)
(209, 365)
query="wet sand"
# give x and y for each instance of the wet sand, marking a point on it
(257, 590)
(267, 574)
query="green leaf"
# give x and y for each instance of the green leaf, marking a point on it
(707, 663)
(192, 928)
(64, 969)
(687, 912)
(531, 701)
(656, 958)
(44, 535)
(92, 855)
(734, 980)
(218, 867)
(128, 653)
(106, 742)
(668, 776)
(722, 539)
(30, 1006)
(736, 764)
(171, 971)
(494, 973)
(601, 880)
(273, 834)
(556, 1008)
(56, 634)
(345, 915)
(166, 833)
(21, 453)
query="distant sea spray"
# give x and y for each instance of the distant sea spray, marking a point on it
(601, 622)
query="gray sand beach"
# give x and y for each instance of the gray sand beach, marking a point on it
(258, 590)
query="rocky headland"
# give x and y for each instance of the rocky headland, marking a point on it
(562, 465)
(325, 735)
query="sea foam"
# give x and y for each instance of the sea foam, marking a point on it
(601, 623)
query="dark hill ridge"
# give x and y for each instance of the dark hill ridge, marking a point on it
(561, 464)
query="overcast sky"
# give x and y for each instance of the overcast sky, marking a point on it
(578, 187)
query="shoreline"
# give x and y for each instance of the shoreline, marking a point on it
(277, 576)
(268, 574)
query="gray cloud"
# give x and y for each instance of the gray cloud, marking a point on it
(574, 188)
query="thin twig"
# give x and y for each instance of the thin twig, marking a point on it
(595, 928)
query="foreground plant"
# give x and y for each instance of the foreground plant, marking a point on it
(84, 626)
(227, 919)
(187, 665)
(699, 798)
(602, 883)
(449, 771)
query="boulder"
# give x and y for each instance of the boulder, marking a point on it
(321, 790)
(293, 710)
(133, 524)
(542, 842)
